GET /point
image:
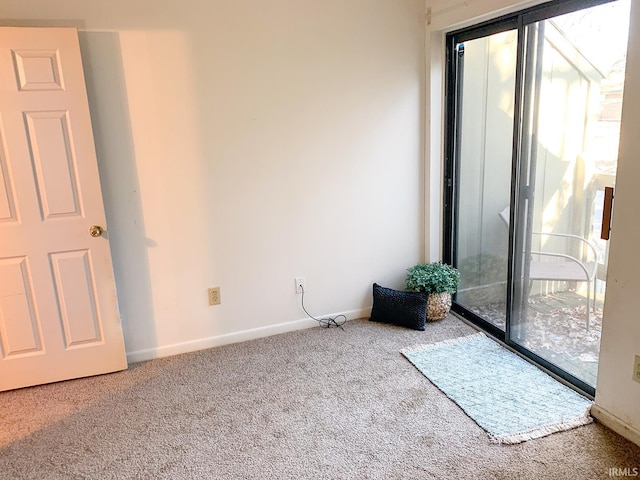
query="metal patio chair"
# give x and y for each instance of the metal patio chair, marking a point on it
(562, 267)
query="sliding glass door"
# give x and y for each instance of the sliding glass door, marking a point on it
(533, 113)
(485, 111)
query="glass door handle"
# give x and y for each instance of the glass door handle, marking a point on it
(607, 208)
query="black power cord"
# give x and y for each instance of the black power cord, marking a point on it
(325, 322)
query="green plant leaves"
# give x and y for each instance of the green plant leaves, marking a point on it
(433, 278)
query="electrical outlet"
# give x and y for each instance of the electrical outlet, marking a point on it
(636, 369)
(214, 296)
(300, 287)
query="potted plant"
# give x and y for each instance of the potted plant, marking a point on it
(439, 280)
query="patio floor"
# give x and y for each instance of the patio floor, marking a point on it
(555, 329)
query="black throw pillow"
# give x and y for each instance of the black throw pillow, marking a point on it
(405, 309)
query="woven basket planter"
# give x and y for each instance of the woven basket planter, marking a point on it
(438, 306)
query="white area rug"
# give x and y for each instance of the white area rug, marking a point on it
(511, 399)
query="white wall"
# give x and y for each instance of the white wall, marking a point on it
(617, 396)
(245, 143)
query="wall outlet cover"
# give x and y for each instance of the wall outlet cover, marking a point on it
(214, 296)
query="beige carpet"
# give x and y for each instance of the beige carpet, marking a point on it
(313, 404)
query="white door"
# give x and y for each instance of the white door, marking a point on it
(58, 307)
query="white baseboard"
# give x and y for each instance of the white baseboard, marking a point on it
(614, 423)
(235, 337)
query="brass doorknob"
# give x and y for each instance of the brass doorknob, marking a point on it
(95, 230)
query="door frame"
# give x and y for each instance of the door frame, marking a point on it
(513, 21)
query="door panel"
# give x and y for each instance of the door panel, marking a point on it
(75, 295)
(570, 145)
(485, 108)
(7, 200)
(53, 162)
(58, 309)
(19, 325)
(38, 69)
